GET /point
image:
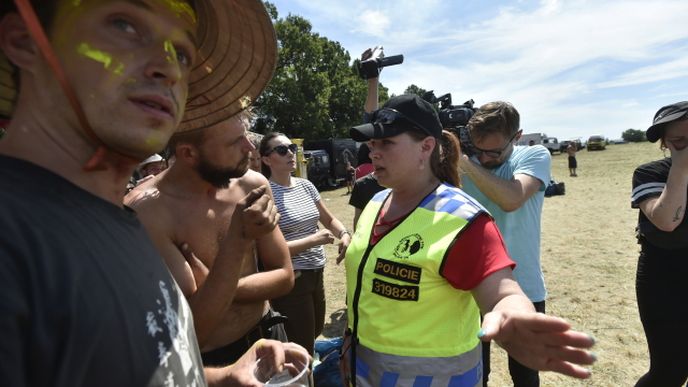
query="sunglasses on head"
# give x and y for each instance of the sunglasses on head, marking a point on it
(283, 149)
(389, 116)
(494, 153)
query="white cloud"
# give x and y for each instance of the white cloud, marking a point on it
(373, 23)
(574, 66)
(677, 68)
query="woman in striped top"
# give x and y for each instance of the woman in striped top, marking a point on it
(300, 208)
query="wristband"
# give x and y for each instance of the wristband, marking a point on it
(345, 231)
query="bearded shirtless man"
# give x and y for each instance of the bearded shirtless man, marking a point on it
(193, 213)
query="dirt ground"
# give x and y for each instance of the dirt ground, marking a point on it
(589, 256)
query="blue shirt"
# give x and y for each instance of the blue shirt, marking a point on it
(521, 228)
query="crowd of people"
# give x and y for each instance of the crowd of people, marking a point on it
(121, 267)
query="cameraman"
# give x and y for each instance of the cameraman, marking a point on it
(510, 181)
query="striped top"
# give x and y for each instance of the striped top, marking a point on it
(299, 218)
(649, 181)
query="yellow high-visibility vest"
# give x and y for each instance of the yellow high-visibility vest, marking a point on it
(398, 303)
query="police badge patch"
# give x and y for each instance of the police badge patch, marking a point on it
(408, 246)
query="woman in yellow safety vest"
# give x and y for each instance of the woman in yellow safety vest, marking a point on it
(426, 260)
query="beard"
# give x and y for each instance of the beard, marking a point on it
(220, 177)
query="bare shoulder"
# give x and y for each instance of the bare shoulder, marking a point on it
(150, 206)
(252, 180)
(146, 193)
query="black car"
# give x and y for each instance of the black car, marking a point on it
(318, 169)
(565, 144)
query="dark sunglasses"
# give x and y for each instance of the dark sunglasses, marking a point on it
(389, 116)
(283, 149)
(494, 153)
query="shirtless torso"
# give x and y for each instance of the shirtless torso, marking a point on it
(174, 218)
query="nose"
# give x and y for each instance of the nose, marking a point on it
(374, 154)
(249, 145)
(163, 64)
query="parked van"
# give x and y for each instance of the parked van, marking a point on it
(551, 143)
(596, 143)
(339, 152)
(318, 167)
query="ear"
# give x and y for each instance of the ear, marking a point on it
(518, 135)
(428, 145)
(266, 160)
(16, 42)
(187, 153)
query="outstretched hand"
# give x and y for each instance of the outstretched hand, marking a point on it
(343, 245)
(540, 342)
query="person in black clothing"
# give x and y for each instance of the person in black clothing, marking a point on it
(364, 190)
(660, 191)
(85, 300)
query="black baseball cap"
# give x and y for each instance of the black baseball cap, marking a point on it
(400, 114)
(665, 115)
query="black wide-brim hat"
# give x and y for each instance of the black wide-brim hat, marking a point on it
(237, 55)
(411, 113)
(665, 115)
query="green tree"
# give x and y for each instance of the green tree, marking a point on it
(315, 92)
(633, 135)
(413, 89)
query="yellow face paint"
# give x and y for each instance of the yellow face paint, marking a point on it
(181, 8)
(102, 57)
(170, 50)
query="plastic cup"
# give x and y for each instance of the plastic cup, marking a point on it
(295, 372)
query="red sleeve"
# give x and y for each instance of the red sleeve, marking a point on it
(478, 252)
(363, 170)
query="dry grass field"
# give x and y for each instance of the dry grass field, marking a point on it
(589, 257)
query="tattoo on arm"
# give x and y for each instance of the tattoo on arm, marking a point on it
(679, 214)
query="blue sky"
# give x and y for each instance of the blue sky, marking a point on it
(572, 68)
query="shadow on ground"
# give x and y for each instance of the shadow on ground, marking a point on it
(335, 327)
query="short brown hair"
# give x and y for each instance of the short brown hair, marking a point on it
(196, 137)
(495, 117)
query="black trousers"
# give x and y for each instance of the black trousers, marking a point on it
(662, 293)
(305, 308)
(271, 326)
(521, 375)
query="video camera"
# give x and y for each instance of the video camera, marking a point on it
(370, 67)
(455, 118)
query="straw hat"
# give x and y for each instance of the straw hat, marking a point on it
(7, 87)
(235, 62)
